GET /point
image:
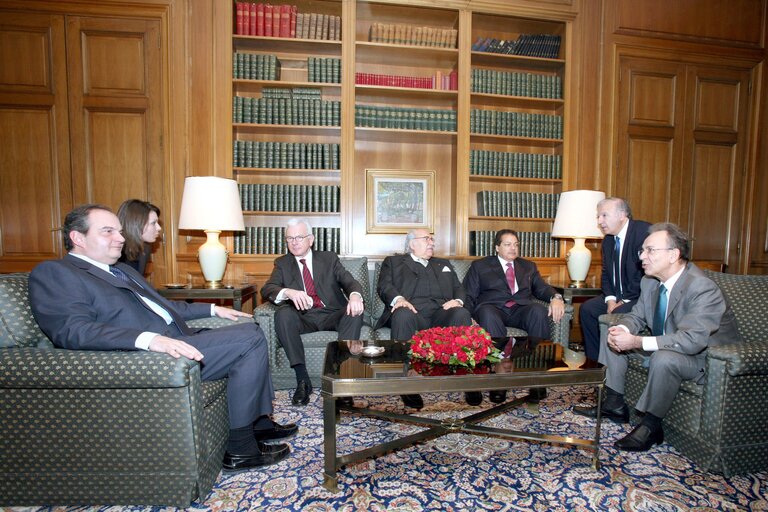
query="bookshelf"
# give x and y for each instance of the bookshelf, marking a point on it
(416, 97)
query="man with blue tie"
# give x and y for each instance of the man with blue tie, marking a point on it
(620, 279)
(686, 313)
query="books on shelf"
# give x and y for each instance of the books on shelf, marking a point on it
(515, 124)
(287, 106)
(262, 19)
(439, 81)
(529, 45)
(404, 118)
(278, 197)
(515, 165)
(286, 155)
(511, 83)
(255, 66)
(533, 244)
(271, 240)
(400, 33)
(520, 205)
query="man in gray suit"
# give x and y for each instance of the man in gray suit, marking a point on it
(88, 301)
(686, 312)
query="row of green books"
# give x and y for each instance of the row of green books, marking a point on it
(520, 205)
(278, 197)
(255, 66)
(533, 244)
(516, 124)
(324, 70)
(377, 116)
(286, 155)
(286, 111)
(515, 165)
(512, 83)
(271, 240)
(296, 93)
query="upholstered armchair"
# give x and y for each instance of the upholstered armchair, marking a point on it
(283, 376)
(94, 427)
(721, 425)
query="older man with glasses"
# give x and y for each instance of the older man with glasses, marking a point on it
(314, 292)
(420, 292)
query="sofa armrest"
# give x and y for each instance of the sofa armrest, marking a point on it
(264, 315)
(39, 368)
(561, 331)
(740, 358)
(214, 322)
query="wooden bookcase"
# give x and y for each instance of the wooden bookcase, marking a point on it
(445, 151)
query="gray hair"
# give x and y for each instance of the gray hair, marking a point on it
(621, 204)
(298, 220)
(676, 237)
(408, 238)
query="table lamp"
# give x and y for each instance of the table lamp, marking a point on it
(211, 204)
(577, 218)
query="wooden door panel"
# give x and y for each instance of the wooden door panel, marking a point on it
(35, 171)
(648, 178)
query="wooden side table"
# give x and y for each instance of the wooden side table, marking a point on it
(236, 293)
(581, 293)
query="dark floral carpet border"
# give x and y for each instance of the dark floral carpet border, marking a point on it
(461, 472)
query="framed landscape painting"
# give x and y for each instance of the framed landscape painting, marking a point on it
(399, 200)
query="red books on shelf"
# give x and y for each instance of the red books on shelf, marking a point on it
(239, 7)
(294, 12)
(259, 20)
(285, 21)
(268, 20)
(275, 21)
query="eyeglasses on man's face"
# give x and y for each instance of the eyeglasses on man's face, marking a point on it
(428, 238)
(299, 238)
(651, 250)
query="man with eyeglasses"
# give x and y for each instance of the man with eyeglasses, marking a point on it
(314, 292)
(500, 291)
(421, 292)
(685, 312)
(622, 272)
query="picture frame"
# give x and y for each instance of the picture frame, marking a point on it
(399, 200)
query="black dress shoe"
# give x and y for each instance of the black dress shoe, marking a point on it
(267, 454)
(277, 431)
(473, 397)
(345, 401)
(301, 395)
(536, 395)
(413, 401)
(497, 396)
(618, 415)
(641, 439)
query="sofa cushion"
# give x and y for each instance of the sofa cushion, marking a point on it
(745, 294)
(18, 327)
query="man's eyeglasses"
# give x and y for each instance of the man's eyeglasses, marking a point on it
(651, 250)
(427, 238)
(300, 238)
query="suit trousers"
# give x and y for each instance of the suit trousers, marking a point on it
(533, 318)
(238, 353)
(666, 372)
(404, 322)
(290, 324)
(589, 312)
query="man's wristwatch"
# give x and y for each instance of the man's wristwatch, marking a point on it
(556, 296)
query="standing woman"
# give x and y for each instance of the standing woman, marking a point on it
(140, 230)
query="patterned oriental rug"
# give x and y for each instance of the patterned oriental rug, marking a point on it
(461, 472)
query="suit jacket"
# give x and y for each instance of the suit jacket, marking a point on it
(698, 314)
(332, 280)
(486, 283)
(398, 276)
(629, 266)
(81, 307)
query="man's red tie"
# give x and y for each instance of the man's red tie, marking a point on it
(510, 283)
(309, 284)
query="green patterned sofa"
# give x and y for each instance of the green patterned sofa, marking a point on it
(721, 425)
(81, 427)
(315, 343)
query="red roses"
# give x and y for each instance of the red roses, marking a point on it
(463, 346)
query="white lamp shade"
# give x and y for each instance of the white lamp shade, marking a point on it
(577, 214)
(211, 204)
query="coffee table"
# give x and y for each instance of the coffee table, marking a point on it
(532, 363)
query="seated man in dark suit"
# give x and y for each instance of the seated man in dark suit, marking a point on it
(86, 301)
(311, 288)
(499, 293)
(420, 292)
(622, 272)
(686, 313)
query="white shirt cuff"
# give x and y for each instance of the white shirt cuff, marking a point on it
(143, 340)
(394, 301)
(650, 344)
(610, 297)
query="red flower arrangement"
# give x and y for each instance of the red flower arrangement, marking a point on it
(463, 346)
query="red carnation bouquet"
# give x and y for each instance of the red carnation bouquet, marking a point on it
(463, 346)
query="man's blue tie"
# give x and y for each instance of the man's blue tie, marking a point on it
(122, 276)
(661, 312)
(617, 267)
